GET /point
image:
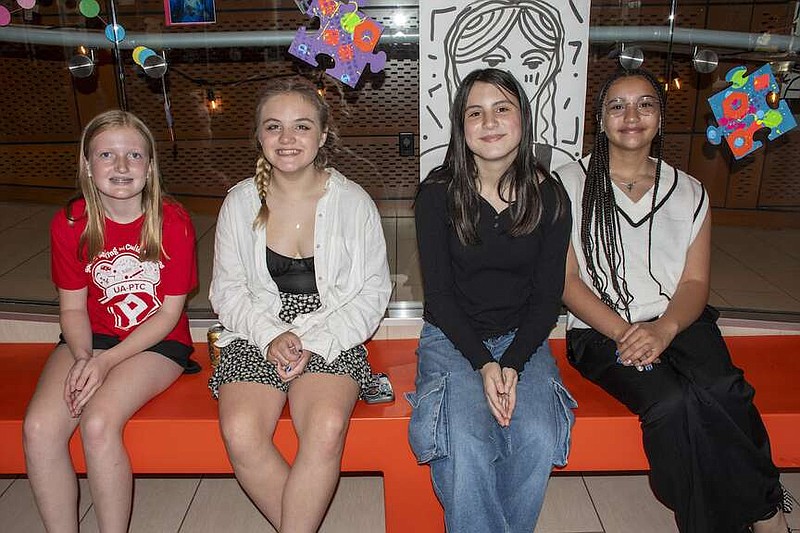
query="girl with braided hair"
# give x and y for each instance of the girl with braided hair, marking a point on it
(300, 282)
(639, 326)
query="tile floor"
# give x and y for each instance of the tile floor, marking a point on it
(573, 504)
(752, 269)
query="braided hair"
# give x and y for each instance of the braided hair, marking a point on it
(600, 233)
(309, 92)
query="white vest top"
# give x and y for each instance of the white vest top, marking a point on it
(680, 209)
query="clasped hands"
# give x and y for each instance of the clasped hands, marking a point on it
(500, 386)
(287, 354)
(643, 343)
(84, 378)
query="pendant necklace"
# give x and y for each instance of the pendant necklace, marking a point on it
(627, 184)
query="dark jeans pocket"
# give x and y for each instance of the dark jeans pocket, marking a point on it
(563, 404)
(427, 431)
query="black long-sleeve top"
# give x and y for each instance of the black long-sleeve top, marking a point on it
(477, 292)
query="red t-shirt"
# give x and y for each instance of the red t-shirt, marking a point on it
(123, 291)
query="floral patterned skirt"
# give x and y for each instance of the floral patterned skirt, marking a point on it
(243, 361)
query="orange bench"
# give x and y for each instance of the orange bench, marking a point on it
(177, 432)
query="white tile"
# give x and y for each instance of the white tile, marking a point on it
(786, 280)
(159, 504)
(20, 244)
(380, 333)
(221, 505)
(18, 513)
(404, 331)
(24, 215)
(13, 213)
(716, 300)
(356, 506)
(625, 504)
(30, 280)
(5, 482)
(30, 330)
(203, 224)
(767, 301)
(567, 507)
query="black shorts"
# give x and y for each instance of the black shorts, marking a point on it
(173, 350)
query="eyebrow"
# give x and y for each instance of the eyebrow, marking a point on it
(301, 119)
(503, 101)
(620, 98)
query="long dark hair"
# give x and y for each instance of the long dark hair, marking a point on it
(599, 218)
(521, 179)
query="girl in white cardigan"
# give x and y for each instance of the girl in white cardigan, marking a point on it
(300, 282)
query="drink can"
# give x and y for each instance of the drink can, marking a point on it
(213, 350)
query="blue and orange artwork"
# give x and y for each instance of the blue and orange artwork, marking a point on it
(345, 34)
(742, 109)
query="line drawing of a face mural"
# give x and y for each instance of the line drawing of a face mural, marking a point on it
(541, 42)
(478, 39)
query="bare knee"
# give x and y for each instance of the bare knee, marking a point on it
(244, 437)
(325, 433)
(100, 429)
(41, 429)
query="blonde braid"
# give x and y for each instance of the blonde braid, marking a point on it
(262, 179)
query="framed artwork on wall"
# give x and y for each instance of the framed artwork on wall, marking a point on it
(181, 12)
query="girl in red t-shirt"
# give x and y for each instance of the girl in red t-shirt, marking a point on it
(123, 259)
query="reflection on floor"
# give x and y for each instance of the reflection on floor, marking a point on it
(751, 269)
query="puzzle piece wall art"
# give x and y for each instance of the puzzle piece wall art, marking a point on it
(742, 109)
(346, 34)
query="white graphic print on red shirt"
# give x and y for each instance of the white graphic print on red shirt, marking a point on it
(128, 285)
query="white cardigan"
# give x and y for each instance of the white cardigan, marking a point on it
(349, 262)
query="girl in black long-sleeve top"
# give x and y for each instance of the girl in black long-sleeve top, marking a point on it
(490, 413)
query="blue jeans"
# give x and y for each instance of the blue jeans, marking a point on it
(487, 477)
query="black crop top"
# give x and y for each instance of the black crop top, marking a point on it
(295, 276)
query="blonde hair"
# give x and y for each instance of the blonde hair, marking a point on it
(92, 239)
(309, 92)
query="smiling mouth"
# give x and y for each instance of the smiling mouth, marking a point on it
(287, 152)
(121, 181)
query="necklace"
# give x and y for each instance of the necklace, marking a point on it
(627, 184)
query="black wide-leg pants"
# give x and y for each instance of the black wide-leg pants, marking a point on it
(707, 446)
